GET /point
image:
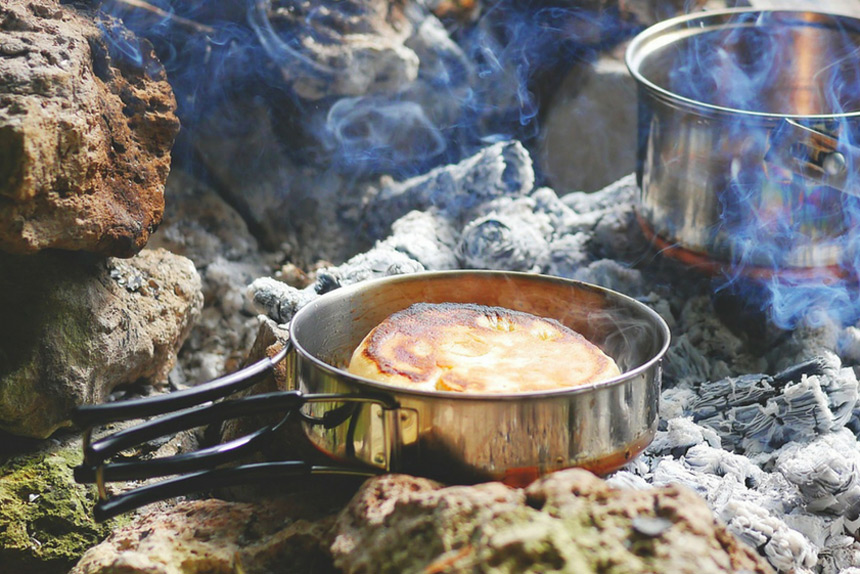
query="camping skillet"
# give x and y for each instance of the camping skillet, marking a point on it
(368, 427)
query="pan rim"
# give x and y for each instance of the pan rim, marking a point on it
(376, 386)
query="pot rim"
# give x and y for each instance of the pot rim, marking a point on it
(641, 47)
(344, 292)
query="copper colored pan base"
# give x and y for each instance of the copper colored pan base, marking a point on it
(713, 267)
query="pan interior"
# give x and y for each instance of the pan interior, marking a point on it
(330, 328)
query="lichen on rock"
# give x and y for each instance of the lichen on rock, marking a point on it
(45, 517)
(76, 326)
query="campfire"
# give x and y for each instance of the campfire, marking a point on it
(326, 146)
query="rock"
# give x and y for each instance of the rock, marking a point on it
(200, 225)
(76, 326)
(86, 127)
(569, 521)
(45, 518)
(589, 136)
(214, 536)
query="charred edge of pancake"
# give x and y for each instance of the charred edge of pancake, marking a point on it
(421, 320)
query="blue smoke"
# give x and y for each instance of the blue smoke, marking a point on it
(476, 82)
(791, 228)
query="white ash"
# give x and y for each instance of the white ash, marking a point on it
(203, 227)
(501, 242)
(826, 472)
(566, 254)
(504, 169)
(426, 237)
(763, 427)
(416, 242)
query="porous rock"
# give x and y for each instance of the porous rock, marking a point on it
(86, 127)
(213, 536)
(570, 521)
(336, 48)
(75, 326)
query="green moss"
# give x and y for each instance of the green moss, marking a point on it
(45, 517)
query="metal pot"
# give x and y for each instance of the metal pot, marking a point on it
(368, 427)
(747, 126)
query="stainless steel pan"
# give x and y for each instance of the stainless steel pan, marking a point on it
(367, 427)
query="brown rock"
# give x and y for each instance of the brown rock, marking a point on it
(363, 52)
(216, 537)
(570, 521)
(75, 326)
(85, 137)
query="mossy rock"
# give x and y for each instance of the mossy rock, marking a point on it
(45, 517)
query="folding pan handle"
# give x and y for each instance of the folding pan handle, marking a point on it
(201, 469)
(211, 479)
(97, 452)
(92, 415)
(197, 469)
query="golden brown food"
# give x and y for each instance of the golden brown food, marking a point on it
(478, 349)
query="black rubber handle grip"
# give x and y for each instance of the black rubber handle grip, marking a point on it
(281, 401)
(91, 415)
(218, 478)
(203, 459)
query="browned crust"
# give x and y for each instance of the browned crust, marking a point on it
(478, 349)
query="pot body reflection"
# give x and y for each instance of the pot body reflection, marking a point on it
(459, 437)
(748, 123)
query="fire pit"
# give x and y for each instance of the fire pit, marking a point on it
(420, 161)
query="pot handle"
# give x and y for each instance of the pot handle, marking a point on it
(814, 155)
(197, 469)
